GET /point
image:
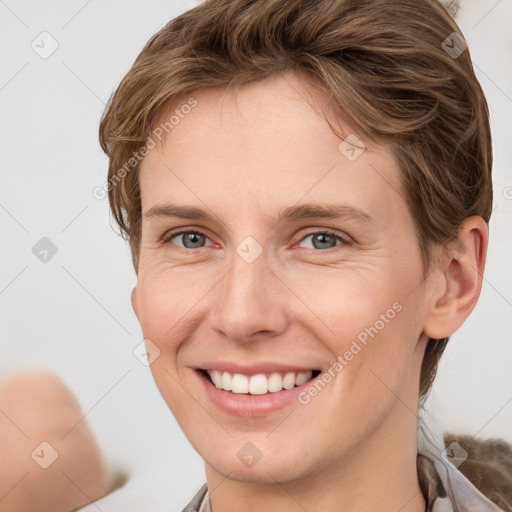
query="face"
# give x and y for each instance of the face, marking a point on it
(271, 251)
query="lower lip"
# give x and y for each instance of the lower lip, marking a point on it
(251, 405)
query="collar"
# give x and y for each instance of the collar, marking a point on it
(445, 488)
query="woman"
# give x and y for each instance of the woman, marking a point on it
(306, 189)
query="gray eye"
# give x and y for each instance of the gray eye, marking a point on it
(322, 240)
(190, 239)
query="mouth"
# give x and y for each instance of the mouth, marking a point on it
(259, 384)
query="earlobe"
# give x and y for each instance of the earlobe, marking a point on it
(462, 274)
(134, 301)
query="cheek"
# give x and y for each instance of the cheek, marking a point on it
(166, 297)
(368, 322)
(347, 303)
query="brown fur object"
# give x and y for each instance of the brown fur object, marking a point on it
(488, 467)
(431, 485)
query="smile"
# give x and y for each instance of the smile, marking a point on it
(259, 384)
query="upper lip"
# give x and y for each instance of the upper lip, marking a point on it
(254, 369)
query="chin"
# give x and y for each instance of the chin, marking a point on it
(275, 461)
(261, 473)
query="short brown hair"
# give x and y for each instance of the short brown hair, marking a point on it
(389, 66)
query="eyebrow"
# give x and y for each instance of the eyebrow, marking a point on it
(301, 212)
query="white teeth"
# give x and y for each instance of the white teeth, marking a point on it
(289, 380)
(301, 378)
(258, 384)
(226, 381)
(275, 383)
(216, 376)
(240, 383)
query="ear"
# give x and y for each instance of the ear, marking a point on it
(135, 303)
(461, 272)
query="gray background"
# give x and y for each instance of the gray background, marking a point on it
(72, 314)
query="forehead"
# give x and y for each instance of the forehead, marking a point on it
(266, 142)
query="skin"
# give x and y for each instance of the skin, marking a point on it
(244, 156)
(37, 407)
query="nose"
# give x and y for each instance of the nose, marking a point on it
(249, 302)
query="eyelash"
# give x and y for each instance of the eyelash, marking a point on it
(344, 240)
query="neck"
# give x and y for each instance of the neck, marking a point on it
(378, 474)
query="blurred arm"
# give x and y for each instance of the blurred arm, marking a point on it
(66, 473)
